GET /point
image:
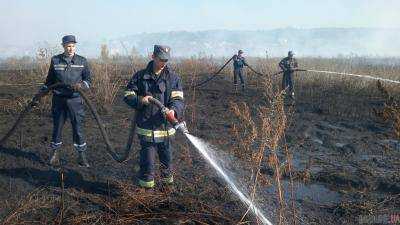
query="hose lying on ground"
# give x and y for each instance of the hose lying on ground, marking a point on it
(254, 71)
(213, 76)
(110, 149)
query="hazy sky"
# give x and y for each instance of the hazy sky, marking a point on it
(27, 22)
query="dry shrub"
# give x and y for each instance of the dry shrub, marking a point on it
(273, 127)
(262, 132)
(43, 58)
(195, 66)
(244, 131)
(105, 85)
(391, 110)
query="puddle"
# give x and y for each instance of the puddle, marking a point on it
(315, 193)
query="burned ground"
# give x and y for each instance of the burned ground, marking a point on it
(345, 164)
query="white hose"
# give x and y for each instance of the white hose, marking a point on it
(356, 75)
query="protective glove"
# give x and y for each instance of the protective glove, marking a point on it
(34, 102)
(81, 85)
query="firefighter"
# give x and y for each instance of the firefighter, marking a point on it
(72, 70)
(288, 66)
(238, 63)
(158, 81)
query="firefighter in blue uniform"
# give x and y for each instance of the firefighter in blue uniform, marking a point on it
(157, 80)
(288, 65)
(238, 63)
(73, 70)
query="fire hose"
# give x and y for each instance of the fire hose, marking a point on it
(169, 115)
(254, 71)
(219, 71)
(213, 76)
(110, 149)
(180, 126)
(303, 70)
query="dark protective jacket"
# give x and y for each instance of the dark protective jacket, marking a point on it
(288, 64)
(68, 71)
(166, 87)
(238, 62)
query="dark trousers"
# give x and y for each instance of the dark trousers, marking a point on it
(147, 159)
(287, 82)
(62, 109)
(238, 73)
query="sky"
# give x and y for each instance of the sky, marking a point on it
(26, 22)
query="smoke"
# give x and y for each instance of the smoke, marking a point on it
(325, 42)
(382, 14)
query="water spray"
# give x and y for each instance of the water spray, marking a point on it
(355, 75)
(345, 74)
(205, 150)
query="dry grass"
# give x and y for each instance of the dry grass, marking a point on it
(132, 206)
(37, 202)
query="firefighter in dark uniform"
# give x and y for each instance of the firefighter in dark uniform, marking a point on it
(238, 63)
(157, 80)
(288, 66)
(73, 70)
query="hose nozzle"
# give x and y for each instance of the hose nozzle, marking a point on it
(170, 116)
(181, 127)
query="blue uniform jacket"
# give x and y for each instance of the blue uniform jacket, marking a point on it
(166, 87)
(68, 72)
(238, 62)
